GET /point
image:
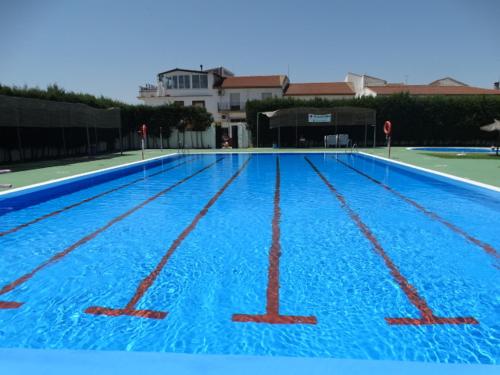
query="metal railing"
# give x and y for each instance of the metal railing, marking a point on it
(231, 106)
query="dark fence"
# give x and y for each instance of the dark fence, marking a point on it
(34, 129)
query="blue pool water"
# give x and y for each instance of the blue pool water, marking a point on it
(345, 239)
(462, 150)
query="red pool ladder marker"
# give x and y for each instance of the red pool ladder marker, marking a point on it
(146, 283)
(58, 256)
(427, 315)
(272, 315)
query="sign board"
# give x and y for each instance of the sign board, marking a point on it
(319, 118)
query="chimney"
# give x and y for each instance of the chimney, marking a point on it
(201, 67)
(496, 85)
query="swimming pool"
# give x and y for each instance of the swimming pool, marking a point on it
(462, 150)
(302, 255)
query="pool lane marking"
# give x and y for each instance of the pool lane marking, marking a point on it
(148, 281)
(272, 315)
(427, 315)
(57, 212)
(9, 287)
(486, 247)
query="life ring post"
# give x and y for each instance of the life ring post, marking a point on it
(388, 131)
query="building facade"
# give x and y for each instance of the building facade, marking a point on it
(225, 95)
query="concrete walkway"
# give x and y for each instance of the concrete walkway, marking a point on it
(485, 170)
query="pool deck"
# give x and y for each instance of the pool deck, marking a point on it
(84, 362)
(484, 170)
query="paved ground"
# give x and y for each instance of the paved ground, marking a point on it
(486, 170)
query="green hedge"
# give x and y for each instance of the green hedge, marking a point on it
(437, 120)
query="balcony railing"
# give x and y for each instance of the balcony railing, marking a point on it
(231, 106)
(147, 91)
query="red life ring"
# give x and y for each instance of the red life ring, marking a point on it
(143, 129)
(387, 128)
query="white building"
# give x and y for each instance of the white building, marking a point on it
(365, 85)
(225, 95)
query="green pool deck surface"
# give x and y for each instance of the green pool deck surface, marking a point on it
(481, 168)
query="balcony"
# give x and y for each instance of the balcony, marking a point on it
(231, 106)
(147, 91)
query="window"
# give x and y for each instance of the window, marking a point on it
(198, 103)
(196, 81)
(200, 81)
(266, 95)
(167, 82)
(179, 103)
(234, 100)
(174, 82)
(203, 81)
(184, 82)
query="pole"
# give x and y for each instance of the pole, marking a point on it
(161, 139)
(258, 113)
(296, 129)
(366, 134)
(88, 140)
(374, 135)
(121, 139)
(64, 142)
(389, 145)
(142, 147)
(20, 144)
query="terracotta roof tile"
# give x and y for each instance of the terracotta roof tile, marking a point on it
(319, 88)
(253, 81)
(432, 90)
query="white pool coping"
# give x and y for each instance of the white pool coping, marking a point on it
(77, 176)
(13, 192)
(437, 173)
(95, 362)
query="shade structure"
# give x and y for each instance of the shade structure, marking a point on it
(313, 117)
(494, 126)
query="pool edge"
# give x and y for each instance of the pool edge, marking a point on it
(54, 362)
(41, 185)
(436, 173)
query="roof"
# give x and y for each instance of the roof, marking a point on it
(253, 81)
(183, 70)
(439, 81)
(432, 90)
(319, 88)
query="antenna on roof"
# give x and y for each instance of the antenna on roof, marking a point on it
(288, 71)
(406, 79)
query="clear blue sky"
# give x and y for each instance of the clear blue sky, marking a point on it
(110, 47)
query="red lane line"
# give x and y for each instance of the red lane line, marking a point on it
(486, 247)
(7, 288)
(428, 316)
(57, 212)
(272, 314)
(146, 283)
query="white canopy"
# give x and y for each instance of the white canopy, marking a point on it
(495, 125)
